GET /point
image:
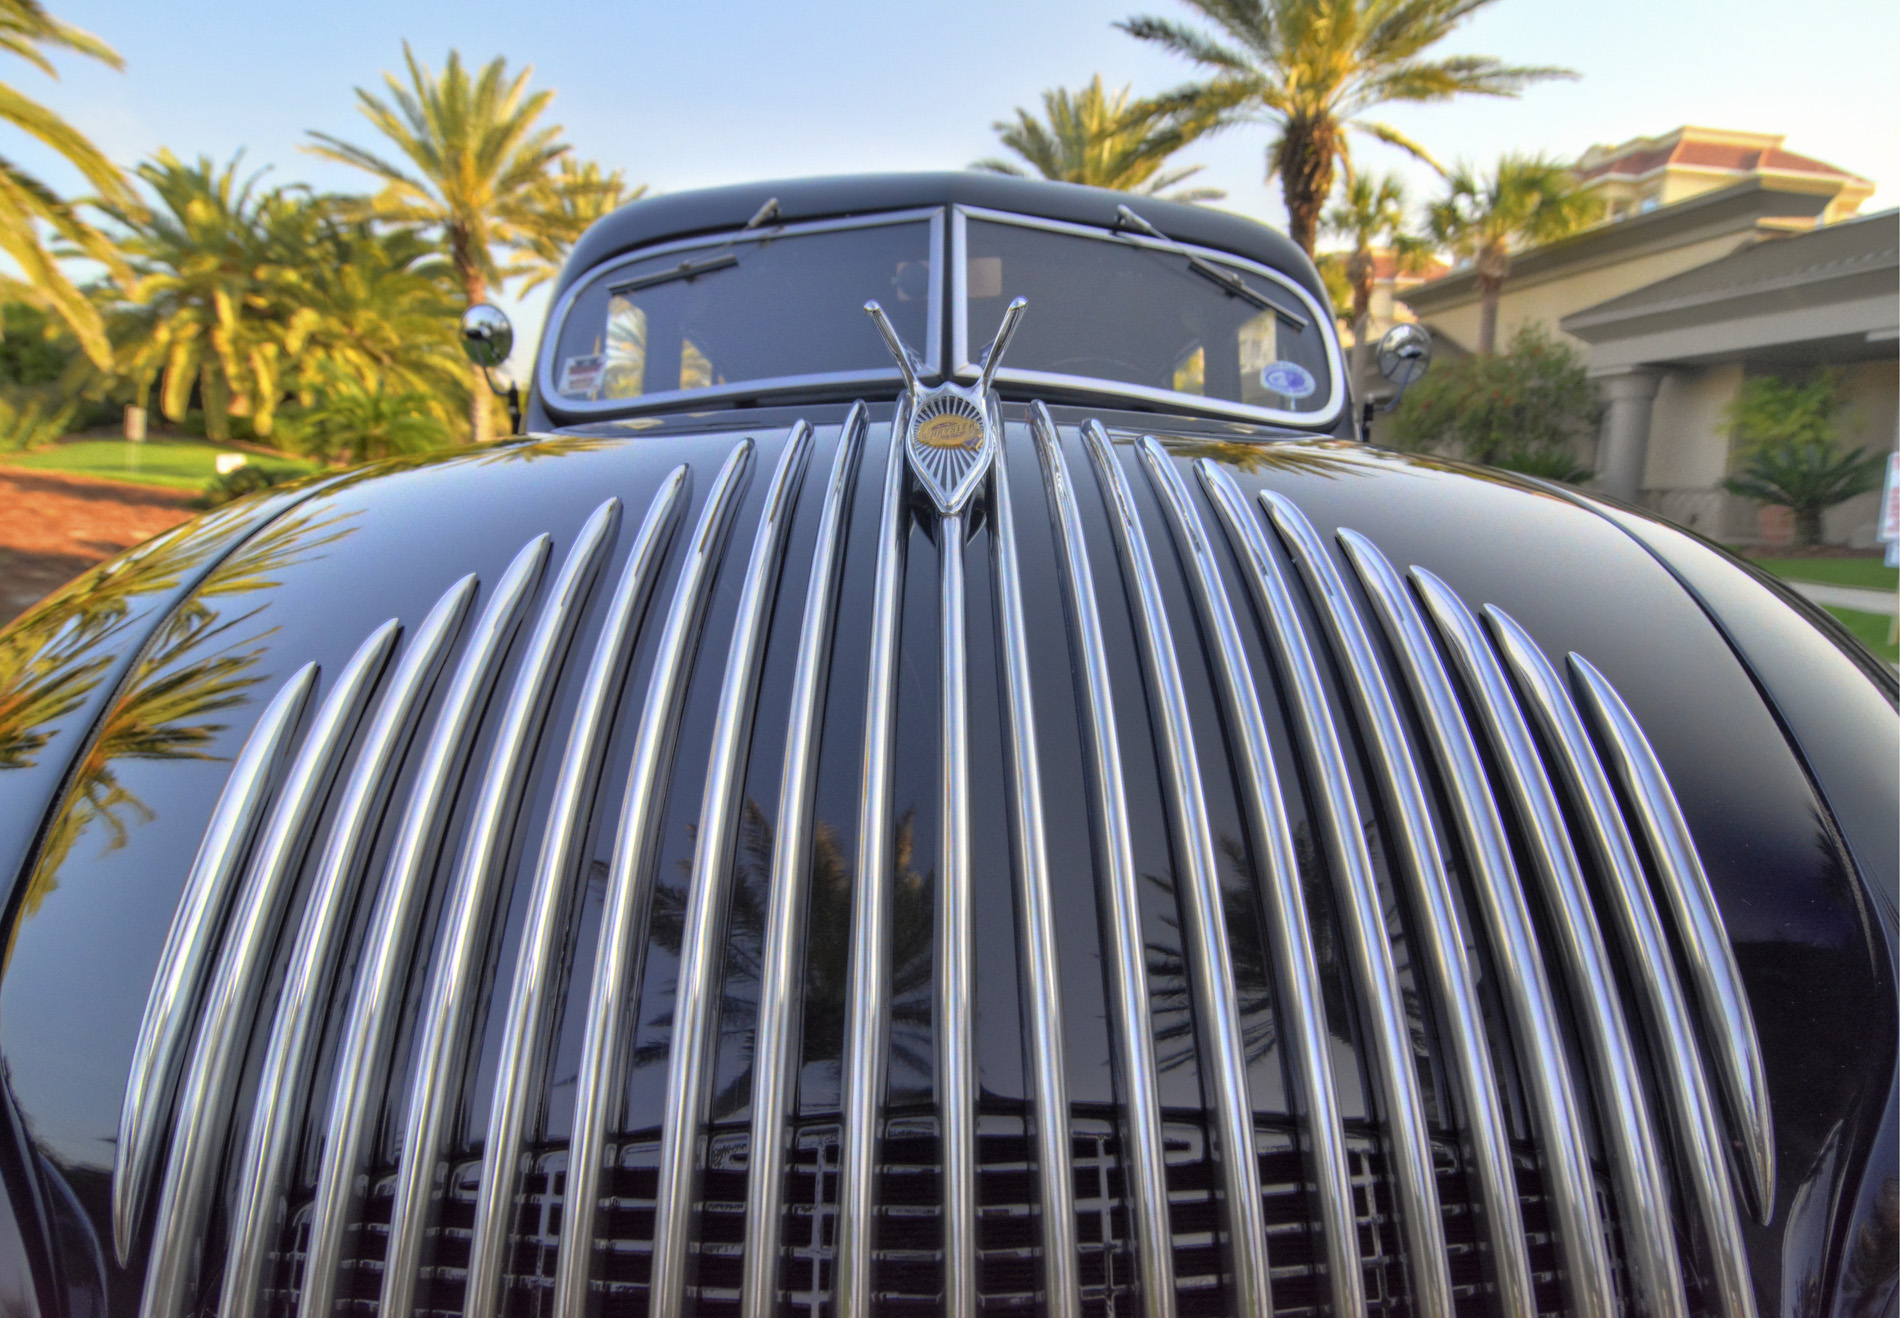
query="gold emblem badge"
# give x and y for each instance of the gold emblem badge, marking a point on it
(950, 430)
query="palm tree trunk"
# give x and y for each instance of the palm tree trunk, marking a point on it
(1361, 317)
(1807, 525)
(1305, 165)
(1489, 292)
(480, 401)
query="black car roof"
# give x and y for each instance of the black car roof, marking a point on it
(682, 214)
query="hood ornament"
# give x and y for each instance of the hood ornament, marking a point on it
(952, 432)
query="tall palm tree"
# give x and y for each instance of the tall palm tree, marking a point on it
(473, 169)
(1483, 218)
(1314, 69)
(378, 308)
(1371, 216)
(1102, 139)
(203, 303)
(578, 193)
(26, 203)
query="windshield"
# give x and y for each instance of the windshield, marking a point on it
(757, 308)
(1106, 308)
(746, 313)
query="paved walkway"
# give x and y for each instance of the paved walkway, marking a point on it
(1882, 602)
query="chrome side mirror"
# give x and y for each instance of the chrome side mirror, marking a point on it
(487, 337)
(1405, 353)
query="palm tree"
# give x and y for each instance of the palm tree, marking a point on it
(26, 203)
(377, 308)
(473, 169)
(1482, 219)
(1314, 69)
(1370, 215)
(578, 193)
(1103, 140)
(203, 304)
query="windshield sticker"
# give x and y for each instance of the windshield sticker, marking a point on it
(1288, 379)
(580, 376)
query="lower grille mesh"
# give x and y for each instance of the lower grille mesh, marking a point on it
(907, 1268)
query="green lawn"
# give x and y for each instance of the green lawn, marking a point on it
(1865, 573)
(1873, 629)
(180, 464)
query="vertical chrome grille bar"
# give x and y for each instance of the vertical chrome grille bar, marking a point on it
(1368, 950)
(621, 956)
(372, 1015)
(775, 1047)
(1204, 929)
(1124, 964)
(1628, 1136)
(189, 954)
(867, 1003)
(702, 938)
(277, 1118)
(1499, 896)
(1438, 938)
(1638, 928)
(527, 1036)
(1728, 1025)
(449, 1005)
(210, 1089)
(956, 936)
(1062, 1286)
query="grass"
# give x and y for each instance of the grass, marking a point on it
(1872, 629)
(179, 464)
(1864, 573)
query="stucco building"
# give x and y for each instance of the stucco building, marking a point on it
(1721, 255)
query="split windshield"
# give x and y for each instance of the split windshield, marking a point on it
(784, 309)
(761, 309)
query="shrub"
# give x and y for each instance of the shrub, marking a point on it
(1525, 409)
(32, 417)
(1790, 452)
(248, 479)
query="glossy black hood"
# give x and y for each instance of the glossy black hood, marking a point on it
(133, 700)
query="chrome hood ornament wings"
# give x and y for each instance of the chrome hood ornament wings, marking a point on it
(951, 432)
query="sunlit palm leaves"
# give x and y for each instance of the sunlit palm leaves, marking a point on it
(26, 203)
(205, 298)
(577, 193)
(1371, 214)
(1102, 139)
(1482, 218)
(1315, 69)
(472, 167)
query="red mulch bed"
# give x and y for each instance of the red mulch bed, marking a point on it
(54, 526)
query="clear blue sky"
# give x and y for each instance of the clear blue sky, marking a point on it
(681, 95)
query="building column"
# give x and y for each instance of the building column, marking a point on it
(1631, 395)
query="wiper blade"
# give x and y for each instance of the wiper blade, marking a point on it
(1229, 281)
(690, 269)
(684, 270)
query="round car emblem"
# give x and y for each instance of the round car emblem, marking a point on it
(950, 430)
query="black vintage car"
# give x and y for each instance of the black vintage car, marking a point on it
(838, 821)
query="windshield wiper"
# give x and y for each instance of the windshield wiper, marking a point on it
(684, 270)
(691, 269)
(1227, 279)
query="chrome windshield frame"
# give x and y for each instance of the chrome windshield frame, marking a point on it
(549, 347)
(949, 288)
(963, 368)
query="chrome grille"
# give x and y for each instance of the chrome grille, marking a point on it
(1050, 1204)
